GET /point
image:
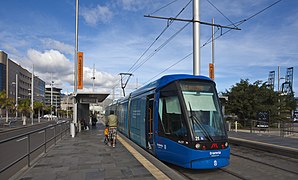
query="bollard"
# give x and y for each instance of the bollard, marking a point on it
(228, 126)
(235, 126)
(72, 130)
(79, 124)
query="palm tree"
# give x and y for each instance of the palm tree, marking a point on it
(2, 101)
(38, 106)
(24, 108)
(6, 103)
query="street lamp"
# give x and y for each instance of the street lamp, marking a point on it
(67, 104)
(16, 83)
(31, 104)
(56, 106)
(52, 83)
(32, 94)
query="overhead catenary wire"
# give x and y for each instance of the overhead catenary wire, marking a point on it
(240, 22)
(222, 33)
(163, 7)
(162, 32)
(159, 48)
(221, 13)
(185, 57)
(208, 41)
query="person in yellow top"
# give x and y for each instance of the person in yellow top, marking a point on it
(106, 133)
(112, 122)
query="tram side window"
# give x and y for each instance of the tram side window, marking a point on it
(171, 118)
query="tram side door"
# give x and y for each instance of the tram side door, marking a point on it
(149, 122)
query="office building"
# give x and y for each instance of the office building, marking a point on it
(10, 71)
(55, 96)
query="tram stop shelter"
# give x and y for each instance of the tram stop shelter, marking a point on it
(82, 105)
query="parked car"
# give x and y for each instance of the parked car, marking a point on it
(48, 116)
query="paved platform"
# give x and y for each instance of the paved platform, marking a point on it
(265, 141)
(87, 157)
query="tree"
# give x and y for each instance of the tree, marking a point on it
(2, 101)
(241, 99)
(6, 103)
(47, 109)
(38, 106)
(24, 108)
(245, 100)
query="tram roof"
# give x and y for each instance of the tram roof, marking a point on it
(165, 80)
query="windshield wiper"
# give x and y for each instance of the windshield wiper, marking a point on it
(198, 121)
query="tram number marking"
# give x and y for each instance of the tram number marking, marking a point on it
(161, 146)
(199, 138)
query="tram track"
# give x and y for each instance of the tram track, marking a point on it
(246, 163)
(264, 163)
(233, 174)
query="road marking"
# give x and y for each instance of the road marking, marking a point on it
(41, 132)
(21, 139)
(148, 165)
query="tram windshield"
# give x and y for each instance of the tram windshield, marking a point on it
(203, 110)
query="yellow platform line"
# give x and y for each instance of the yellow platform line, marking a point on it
(148, 165)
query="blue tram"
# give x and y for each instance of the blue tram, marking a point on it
(178, 119)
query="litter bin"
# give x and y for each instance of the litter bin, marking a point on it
(72, 130)
(228, 126)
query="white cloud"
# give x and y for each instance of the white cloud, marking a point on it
(50, 61)
(92, 16)
(57, 45)
(102, 80)
(132, 5)
(52, 64)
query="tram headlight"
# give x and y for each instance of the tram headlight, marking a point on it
(197, 146)
(226, 144)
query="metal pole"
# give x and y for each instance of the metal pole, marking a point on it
(51, 96)
(196, 38)
(93, 78)
(67, 104)
(278, 89)
(213, 45)
(17, 92)
(75, 65)
(32, 94)
(76, 49)
(7, 88)
(56, 106)
(278, 79)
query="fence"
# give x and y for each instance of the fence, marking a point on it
(283, 129)
(287, 129)
(64, 129)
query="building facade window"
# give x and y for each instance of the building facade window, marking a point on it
(2, 77)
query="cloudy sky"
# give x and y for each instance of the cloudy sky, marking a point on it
(114, 35)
